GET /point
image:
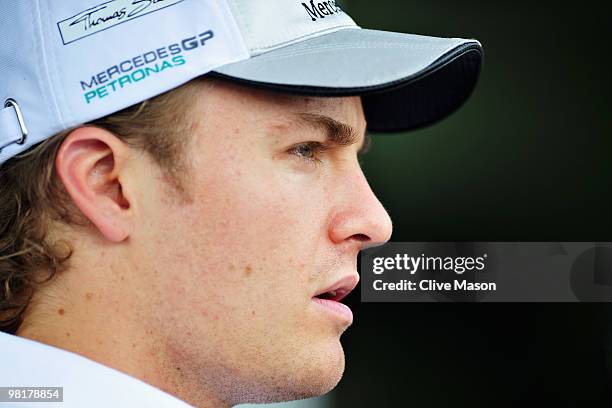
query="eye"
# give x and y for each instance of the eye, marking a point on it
(309, 151)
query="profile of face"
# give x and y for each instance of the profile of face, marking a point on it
(227, 282)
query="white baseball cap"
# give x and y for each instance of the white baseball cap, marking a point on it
(65, 63)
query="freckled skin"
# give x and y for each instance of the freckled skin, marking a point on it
(269, 343)
(220, 286)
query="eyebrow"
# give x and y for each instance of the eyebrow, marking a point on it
(338, 133)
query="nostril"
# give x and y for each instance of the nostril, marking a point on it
(361, 237)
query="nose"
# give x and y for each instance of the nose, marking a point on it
(359, 215)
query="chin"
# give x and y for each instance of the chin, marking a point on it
(316, 373)
(326, 381)
(321, 373)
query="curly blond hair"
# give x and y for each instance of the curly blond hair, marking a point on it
(32, 197)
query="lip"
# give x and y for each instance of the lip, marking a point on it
(339, 310)
(332, 306)
(342, 286)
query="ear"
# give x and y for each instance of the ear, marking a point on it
(90, 162)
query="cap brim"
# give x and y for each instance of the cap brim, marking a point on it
(406, 81)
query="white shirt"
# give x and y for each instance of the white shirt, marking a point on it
(86, 383)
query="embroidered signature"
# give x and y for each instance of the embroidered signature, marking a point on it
(95, 17)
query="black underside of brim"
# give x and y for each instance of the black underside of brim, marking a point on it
(427, 99)
(408, 103)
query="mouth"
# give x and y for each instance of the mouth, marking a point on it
(329, 299)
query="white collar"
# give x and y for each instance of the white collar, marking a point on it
(28, 363)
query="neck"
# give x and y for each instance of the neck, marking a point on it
(104, 324)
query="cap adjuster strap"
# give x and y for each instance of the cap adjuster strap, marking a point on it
(12, 125)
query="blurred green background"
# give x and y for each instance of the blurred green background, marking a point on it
(526, 159)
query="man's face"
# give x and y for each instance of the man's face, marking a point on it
(278, 214)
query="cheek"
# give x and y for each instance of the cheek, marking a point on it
(244, 268)
(235, 270)
(252, 231)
